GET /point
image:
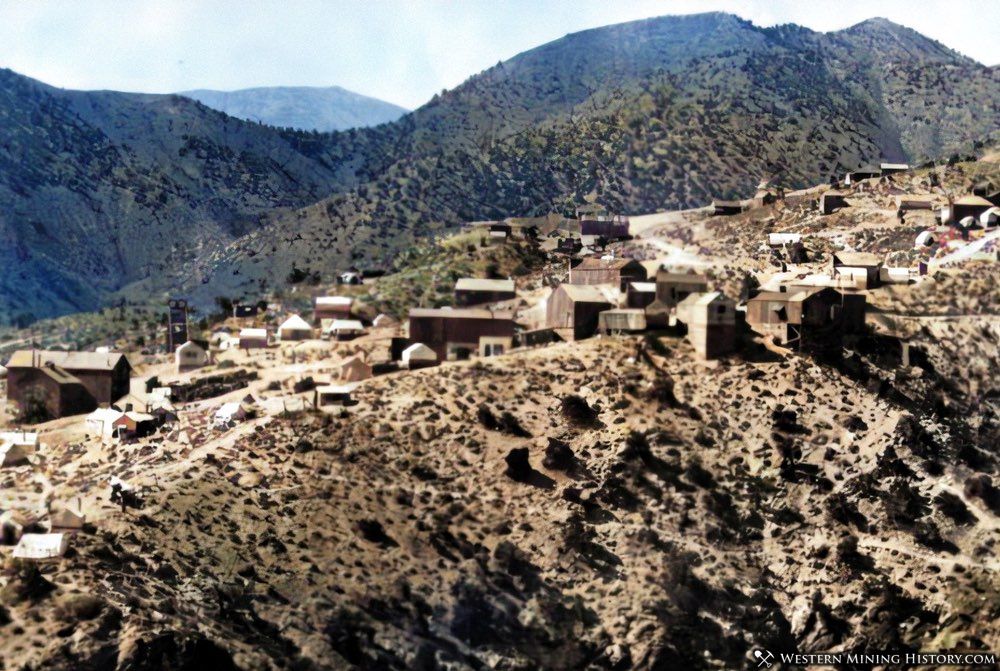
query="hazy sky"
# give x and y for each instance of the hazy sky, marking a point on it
(402, 51)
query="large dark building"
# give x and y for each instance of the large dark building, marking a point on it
(458, 333)
(618, 272)
(800, 317)
(475, 291)
(72, 382)
(576, 307)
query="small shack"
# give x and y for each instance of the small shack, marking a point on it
(805, 316)
(856, 176)
(133, 423)
(334, 394)
(967, 206)
(253, 338)
(190, 356)
(621, 320)
(295, 328)
(831, 201)
(577, 307)
(725, 208)
(863, 267)
(475, 291)
(906, 202)
(711, 323)
(39, 547)
(16, 447)
(331, 307)
(343, 329)
(640, 294)
(418, 355)
(67, 517)
(618, 272)
(102, 421)
(672, 288)
(355, 369)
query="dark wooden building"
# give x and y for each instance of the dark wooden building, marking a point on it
(458, 333)
(801, 317)
(105, 376)
(831, 201)
(672, 288)
(616, 227)
(640, 294)
(722, 208)
(61, 392)
(576, 307)
(618, 272)
(475, 291)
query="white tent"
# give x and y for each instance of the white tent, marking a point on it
(924, 239)
(419, 354)
(384, 321)
(295, 328)
(988, 219)
(341, 328)
(67, 516)
(967, 222)
(189, 356)
(41, 546)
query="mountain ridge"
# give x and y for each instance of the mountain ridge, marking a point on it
(307, 108)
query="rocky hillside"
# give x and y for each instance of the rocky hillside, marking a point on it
(309, 108)
(160, 193)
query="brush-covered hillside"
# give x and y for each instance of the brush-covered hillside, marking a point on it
(655, 114)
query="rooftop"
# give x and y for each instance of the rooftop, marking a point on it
(69, 361)
(477, 284)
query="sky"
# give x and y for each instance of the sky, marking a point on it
(402, 51)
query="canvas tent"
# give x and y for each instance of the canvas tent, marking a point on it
(37, 547)
(355, 369)
(295, 328)
(419, 355)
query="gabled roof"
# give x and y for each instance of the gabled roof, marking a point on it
(585, 293)
(328, 301)
(459, 313)
(295, 323)
(69, 361)
(860, 259)
(477, 284)
(643, 287)
(970, 200)
(684, 278)
(590, 263)
(253, 333)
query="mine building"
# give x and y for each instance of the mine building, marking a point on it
(70, 382)
(710, 319)
(863, 267)
(475, 291)
(801, 317)
(576, 307)
(457, 333)
(618, 272)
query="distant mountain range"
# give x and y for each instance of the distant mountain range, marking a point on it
(104, 192)
(300, 107)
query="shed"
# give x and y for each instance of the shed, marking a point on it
(891, 168)
(189, 356)
(618, 272)
(710, 318)
(967, 206)
(856, 176)
(576, 307)
(38, 547)
(332, 394)
(908, 201)
(295, 328)
(640, 294)
(67, 516)
(831, 201)
(621, 320)
(332, 307)
(476, 291)
(672, 288)
(138, 423)
(354, 369)
(722, 208)
(987, 219)
(858, 265)
(419, 355)
(343, 329)
(253, 338)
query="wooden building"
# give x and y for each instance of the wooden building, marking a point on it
(672, 288)
(104, 375)
(831, 201)
(190, 355)
(254, 338)
(331, 307)
(474, 291)
(618, 272)
(711, 323)
(355, 369)
(801, 317)
(640, 294)
(457, 333)
(295, 328)
(907, 202)
(724, 208)
(856, 176)
(61, 392)
(621, 320)
(862, 266)
(967, 206)
(613, 227)
(576, 307)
